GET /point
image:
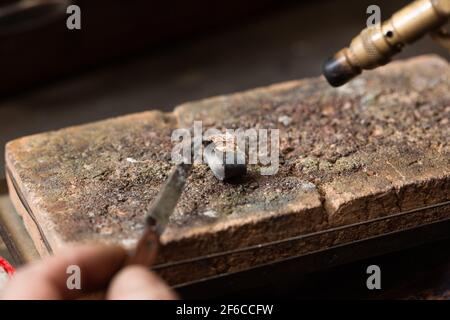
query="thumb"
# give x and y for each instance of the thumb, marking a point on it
(138, 283)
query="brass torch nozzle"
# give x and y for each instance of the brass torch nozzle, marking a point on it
(375, 45)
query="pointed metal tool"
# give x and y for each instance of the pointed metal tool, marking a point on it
(157, 218)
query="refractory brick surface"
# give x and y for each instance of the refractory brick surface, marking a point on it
(375, 147)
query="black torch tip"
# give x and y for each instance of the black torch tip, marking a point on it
(338, 72)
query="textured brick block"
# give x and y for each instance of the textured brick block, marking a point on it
(373, 148)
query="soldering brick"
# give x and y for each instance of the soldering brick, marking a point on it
(373, 148)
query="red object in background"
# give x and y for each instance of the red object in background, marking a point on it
(6, 266)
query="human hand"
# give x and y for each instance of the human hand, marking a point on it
(100, 269)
